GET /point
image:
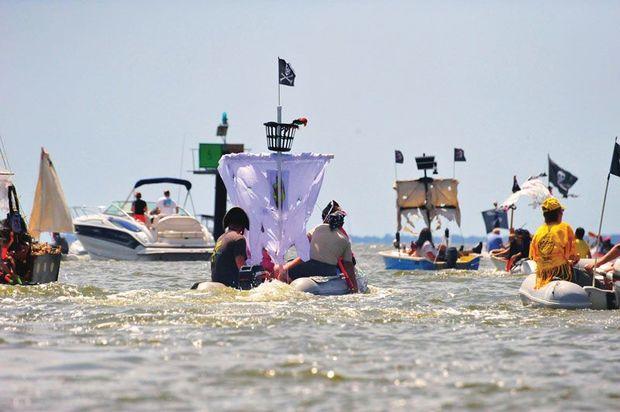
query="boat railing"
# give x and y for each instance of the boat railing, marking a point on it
(79, 211)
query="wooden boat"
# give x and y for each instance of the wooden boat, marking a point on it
(396, 260)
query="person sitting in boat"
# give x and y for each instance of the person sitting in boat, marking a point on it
(553, 246)
(230, 253)
(612, 256)
(166, 205)
(426, 248)
(139, 208)
(582, 248)
(8, 273)
(494, 240)
(60, 241)
(329, 248)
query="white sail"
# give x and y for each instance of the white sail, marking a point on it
(533, 189)
(6, 179)
(251, 181)
(439, 197)
(50, 212)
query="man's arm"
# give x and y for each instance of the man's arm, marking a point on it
(350, 269)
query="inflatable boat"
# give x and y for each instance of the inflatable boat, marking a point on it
(521, 267)
(328, 285)
(394, 259)
(560, 294)
(252, 276)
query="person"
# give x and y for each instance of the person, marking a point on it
(494, 240)
(426, 248)
(581, 247)
(329, 247)
(610, 256)
(166, 205)
(230, 253)
(139, 208)
(553, 246)
(62, 242)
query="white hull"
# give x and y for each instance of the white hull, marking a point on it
(560, 294)
(523, 267)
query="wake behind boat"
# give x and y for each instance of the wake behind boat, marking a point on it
(115, 233)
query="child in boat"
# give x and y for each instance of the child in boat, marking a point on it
(426, 248)
(230, 254)
(553, 246)
(581, 247)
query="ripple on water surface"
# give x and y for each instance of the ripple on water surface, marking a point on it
(131, 335)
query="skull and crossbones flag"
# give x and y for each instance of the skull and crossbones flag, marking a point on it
(286, 74)
(459, 155)
(561, 178)
(615, 161)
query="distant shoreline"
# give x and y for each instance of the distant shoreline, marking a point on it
(387, 239)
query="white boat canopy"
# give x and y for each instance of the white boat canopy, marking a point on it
(252, 183)
(50, 212)
(533, 189)
(440, 198)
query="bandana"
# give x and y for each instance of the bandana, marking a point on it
(336, 220)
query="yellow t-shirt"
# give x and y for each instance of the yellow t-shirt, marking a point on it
(582, 248)
(552, 246)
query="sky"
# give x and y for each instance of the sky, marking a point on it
(118, 91)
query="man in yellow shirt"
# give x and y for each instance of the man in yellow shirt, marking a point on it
(553, 246)
(582, 248)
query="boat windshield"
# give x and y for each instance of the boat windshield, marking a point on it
(120, 208)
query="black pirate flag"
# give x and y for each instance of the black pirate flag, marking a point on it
(615, 161)
(459, 155)
(286, 75)
(398, 156)
(561, 178)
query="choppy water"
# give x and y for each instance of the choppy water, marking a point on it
(131, 336)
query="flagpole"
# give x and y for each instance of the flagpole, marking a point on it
(453, 168)
(600, 224)
(279, 117)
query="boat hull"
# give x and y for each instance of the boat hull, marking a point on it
(522, 267)
(124, 249)
(560, 294)
(401, 261)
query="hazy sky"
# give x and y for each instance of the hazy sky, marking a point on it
(114, 88)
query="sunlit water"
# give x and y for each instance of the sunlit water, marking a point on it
(132, 336)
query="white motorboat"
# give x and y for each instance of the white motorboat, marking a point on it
(521, 267)
(114, 234)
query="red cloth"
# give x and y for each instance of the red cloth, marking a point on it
(141, 218)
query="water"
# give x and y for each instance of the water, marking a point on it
(131, 336)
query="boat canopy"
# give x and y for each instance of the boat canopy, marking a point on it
(155, 180)
(50, 212)
(427, 198)
(251, 180)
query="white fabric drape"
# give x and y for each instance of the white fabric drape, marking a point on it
(6, 179)
(251, 182)
(533, 189)
(50, 212)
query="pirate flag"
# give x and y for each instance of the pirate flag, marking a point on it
(286, 75)
(515, 185)
(459, 155)
(495, 218)
(398, 156)
(561, 178)
(615, 161)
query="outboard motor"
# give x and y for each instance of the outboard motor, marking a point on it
(251, 276)
(452, 255)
